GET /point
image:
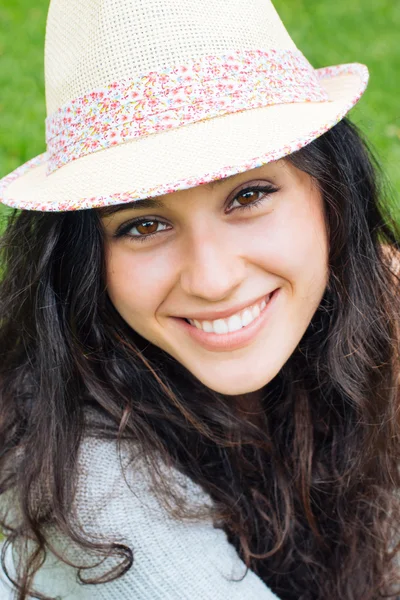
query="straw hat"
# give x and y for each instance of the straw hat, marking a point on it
(147, 97)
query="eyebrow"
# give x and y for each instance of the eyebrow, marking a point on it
(147, 203)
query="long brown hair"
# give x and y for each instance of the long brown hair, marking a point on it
(309, 497)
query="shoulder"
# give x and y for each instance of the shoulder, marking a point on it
(109, 480)
(172, 559)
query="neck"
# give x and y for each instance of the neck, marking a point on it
(249, 406)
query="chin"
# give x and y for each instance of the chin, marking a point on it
(237, 386)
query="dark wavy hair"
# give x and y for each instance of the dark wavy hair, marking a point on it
(309, 497)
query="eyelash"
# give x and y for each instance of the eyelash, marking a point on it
(124, 231)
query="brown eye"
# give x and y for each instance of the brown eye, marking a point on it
(147, 227)
(249, 196)
(247, 199)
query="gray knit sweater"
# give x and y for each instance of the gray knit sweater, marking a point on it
(173, 560)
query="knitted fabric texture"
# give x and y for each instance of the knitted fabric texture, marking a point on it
(173, 560)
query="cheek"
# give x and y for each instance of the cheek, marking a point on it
(307, 247)
(293, 244)
(136, 283)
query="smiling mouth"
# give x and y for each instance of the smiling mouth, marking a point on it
(223, 340)
(236, 322)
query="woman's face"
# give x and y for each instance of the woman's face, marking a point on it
(216, 251)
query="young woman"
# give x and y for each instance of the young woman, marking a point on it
(199, 377)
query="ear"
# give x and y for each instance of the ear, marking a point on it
(393, 257)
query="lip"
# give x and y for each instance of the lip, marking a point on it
(235, 340)
(224, 314)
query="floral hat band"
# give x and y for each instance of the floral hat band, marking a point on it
(149, 98)
(211, 87)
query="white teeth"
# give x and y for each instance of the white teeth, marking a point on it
(247, 317)
(220, 326)
(234, 323)
(207, 327)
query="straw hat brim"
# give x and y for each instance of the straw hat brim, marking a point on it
(188, 156)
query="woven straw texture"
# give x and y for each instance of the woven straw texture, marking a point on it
(111, 40)
(96, 43)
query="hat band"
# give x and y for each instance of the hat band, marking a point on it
(206, 88)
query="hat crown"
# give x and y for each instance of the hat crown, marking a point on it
(91, 44)
(148, 97)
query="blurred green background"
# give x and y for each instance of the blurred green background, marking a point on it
(328, 33)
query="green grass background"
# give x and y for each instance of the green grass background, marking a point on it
(328, 32)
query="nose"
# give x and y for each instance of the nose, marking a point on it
(213, 267)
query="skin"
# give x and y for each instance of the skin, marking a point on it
(210, 255)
